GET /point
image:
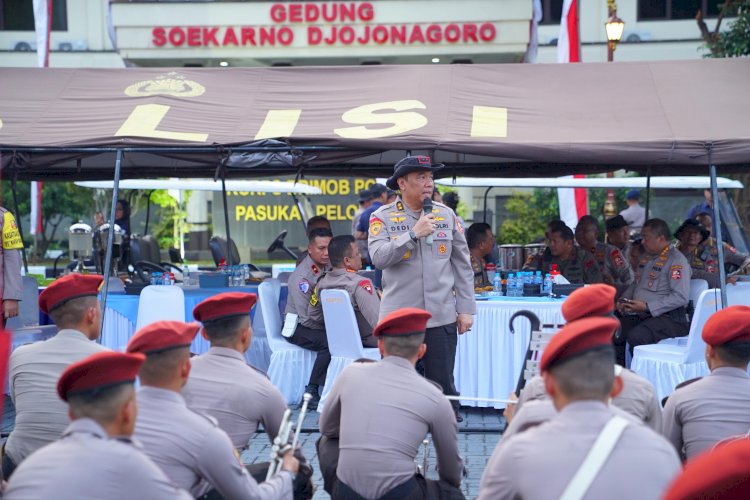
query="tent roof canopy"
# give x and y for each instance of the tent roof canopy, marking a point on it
(255, 186)
(511, 120)
(677, 182)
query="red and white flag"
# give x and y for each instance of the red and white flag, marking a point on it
(569, 43)
(42, 26)
(574, 202)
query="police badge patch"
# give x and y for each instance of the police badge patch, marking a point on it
(676, 272)
(366, 286)
(304, 286)
(376, 225)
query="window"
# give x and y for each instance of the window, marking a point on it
(677, 9)
(551, 11)
(18, 15)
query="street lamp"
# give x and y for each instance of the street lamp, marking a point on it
(614, 26)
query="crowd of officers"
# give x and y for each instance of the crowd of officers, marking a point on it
(84, 431)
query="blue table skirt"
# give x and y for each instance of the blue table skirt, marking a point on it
(127, 305)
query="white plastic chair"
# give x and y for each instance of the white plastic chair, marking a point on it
(697, 287)
(160, 303)
(259, 354)
(290, 366)
(344, 341)
(667, 365)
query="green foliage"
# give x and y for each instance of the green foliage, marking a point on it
(462, 209)
(735, 42)
(166, 229)
(529, 216)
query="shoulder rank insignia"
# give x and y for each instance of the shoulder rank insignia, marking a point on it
(315, 269)
(399, 206)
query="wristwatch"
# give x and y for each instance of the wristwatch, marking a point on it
(413, 236)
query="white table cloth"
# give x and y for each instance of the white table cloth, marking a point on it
(489, 358)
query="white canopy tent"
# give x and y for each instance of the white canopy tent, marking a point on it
(674, 182)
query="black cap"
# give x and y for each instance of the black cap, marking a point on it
(695, 225)
(364, 195)
(411, 164)
(616, 222)
(377, 190)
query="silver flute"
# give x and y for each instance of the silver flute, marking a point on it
(281, 442)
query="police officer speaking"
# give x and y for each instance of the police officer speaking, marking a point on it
(425, 262)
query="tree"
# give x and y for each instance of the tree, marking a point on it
(735, 42)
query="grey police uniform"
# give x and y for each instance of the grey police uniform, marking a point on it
(364, 298)
(437, 278)
(380, 413)
(663, 283)
(310, 332)
(361, 244)
(11, 285)
(704, 261)
(615, 268)
(701, 414)
(87, 464)
(41, 416)
(238, 396)
(637, 398)
(539, 462)
(194, 452)
(580, 268)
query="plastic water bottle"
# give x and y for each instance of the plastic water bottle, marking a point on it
(547, 288)
(521, 280)
(185, 275)
(511, 285)
(156, 278)
(538, 280)
(497, 285)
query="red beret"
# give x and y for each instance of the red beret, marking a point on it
(728, 325)
(72, 286)
(578, 337)
(163, 335)
(404, 321)
(224, 305)
(591, 300)
(722, 474)
(102, 369)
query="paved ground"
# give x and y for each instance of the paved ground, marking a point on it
(478, 435)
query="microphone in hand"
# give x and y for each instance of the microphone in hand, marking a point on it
(427, 209)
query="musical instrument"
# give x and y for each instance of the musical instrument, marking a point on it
(281, 443)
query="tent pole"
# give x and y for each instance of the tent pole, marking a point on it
(717, 230)
(111, 235)
(484, 214)
(18, 223)
(148, 211)
(230, 257)
(648, 190)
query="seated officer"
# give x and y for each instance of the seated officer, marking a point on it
(41, 417)
(578, 370)
(377, 414)
(94, 457)
(615, 268)
(709, 252)
(346, 261)
(223, 386)
(618, 234)
(302, 303)
(575, 264)
(699, 415)
(637, 398)
(692, 240)
(654, 307)
(189, 447)
(720, 474)
(480, 240)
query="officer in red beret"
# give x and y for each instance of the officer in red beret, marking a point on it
(224, 386)
(41, 417)
(699, 415)
(189, 447)
(638, 397)
(720, 474)
(94, 457)
(546, 461)
(377, 414)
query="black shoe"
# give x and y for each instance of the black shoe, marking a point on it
(459, 418)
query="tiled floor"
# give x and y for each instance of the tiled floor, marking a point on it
(478, 435)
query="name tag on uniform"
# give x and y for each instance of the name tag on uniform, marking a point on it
(290, 324)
